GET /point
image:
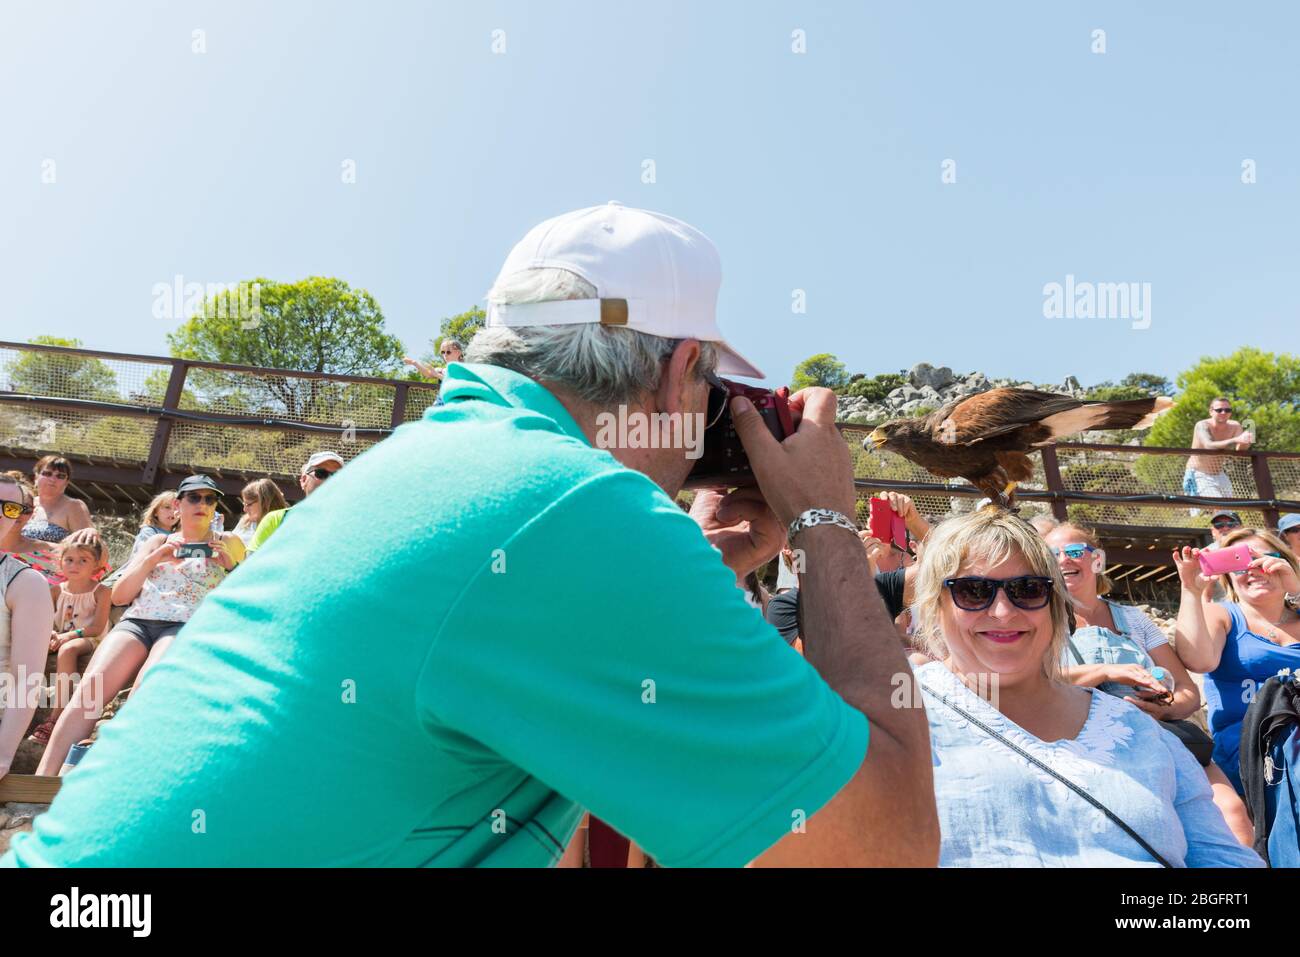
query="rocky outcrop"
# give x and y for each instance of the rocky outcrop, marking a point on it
(928, 387)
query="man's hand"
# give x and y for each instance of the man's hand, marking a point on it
(740, 525)
(811, 468)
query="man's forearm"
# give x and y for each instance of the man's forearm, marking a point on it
(848, 634)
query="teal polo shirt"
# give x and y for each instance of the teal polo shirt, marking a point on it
(476, 630)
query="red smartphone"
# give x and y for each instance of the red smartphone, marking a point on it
(886, 524)
(1220, 561)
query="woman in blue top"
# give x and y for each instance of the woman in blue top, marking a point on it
(1013, 762)
(1244, 641)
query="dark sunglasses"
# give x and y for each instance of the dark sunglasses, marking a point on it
(197, 498)
(1029, 592)
(719, 396)
(320, 473)
(15, 509)
(1226, 523)
(1075, 550)
(53, 473)
(448, 352)
(1225, 409)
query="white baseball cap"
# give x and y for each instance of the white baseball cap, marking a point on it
(652, 273)
(320, 458)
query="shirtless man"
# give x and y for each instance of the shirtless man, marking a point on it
(1205, 475)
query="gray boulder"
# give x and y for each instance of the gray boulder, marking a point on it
(923, 374)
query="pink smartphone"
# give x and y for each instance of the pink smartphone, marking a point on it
(887, 525)
(1220, 561)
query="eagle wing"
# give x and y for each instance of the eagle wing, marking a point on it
(1043, 416)
(1000, 411)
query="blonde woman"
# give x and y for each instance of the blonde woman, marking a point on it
(1244, 641)
(258, 497)
(1031, 771)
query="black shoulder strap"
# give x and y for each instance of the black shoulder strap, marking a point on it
(1043, 767)
(22, 567)
(1074, 651)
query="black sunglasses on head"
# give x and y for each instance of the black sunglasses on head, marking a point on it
(1029, 592)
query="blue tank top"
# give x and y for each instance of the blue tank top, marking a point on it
(1248, 660)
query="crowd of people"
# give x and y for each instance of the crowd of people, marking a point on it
(550, 638)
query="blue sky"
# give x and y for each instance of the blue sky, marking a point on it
(818, 171)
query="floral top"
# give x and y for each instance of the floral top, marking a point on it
(998, 810)
(174, 589)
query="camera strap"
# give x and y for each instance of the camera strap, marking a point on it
(1043, 767)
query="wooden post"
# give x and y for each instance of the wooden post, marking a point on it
(163, 430)
(1264, 485)
(399, 406)
(1052, 472)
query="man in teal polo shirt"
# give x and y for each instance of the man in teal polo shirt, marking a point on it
(546, 631)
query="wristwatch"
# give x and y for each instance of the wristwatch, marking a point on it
(819, 516)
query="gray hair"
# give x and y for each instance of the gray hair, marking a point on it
(605, 365)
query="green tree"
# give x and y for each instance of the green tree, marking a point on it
(319, 324)
(822, 369)
(1264, 389)
(1149, 383)
(874, 389)
(60, 374)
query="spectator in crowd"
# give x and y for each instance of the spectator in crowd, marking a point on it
(315, 471)
(1114, 648)
(892, 558)
(894, 588)
(26, 614)
(1288, 527)
(1244, 641)
(55, 516)
(161, 517)
(260, 497)
(451, 350)
(539, 595)
(1223, 523)
(81, 609)
(1008, 733)
(163, 585)
(1206, 475)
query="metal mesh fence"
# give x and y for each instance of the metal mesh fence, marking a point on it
(28, 430)
(417, 400)
(33, 431)
(1110, 472)
(1285, 474)
(216, 448)
(71, 376)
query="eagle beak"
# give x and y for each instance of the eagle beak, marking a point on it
(877, 438)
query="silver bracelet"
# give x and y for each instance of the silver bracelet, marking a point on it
(819, 516)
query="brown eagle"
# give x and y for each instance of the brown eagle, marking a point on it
(983, 438)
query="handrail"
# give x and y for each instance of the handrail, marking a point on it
(222, 366)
